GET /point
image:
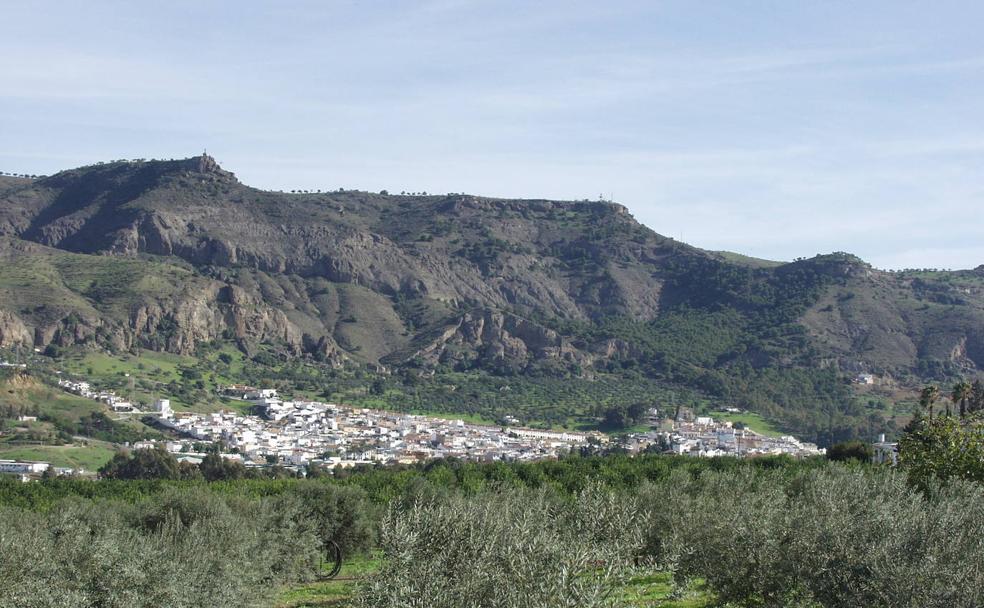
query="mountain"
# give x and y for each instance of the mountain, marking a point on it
(168, 255)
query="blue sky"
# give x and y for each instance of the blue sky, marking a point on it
(776, 129)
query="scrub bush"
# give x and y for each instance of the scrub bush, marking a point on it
(837, 538)
(507, 549)
(178, 548)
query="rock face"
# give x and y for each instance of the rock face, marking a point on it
(13, 331)
(207, 315)
(447, 254)
(492, 335)
(168, 254)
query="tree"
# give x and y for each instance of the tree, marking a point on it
(152, 463)
(976, 401)
(928, 398)
(315, 471)
(961, 392)
(216, 468)
(189, 471)
(622, 416)
(637, 412)
(944, 448)
(847, 451)
(615, 417)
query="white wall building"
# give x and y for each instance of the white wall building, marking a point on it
(163, 407)
(23, 468)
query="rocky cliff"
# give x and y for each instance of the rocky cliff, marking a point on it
(168, 254)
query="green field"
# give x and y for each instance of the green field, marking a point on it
(648, 590)
(89, 457)
(151, 372)
(62, 405)
(751, 421)
(469, 418)
(336, 592)
(159, 366)
(657, 590)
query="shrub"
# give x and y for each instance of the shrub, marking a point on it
(943, 448)
(501, 550)
(858, 451)
(834, 537)
(180, 548)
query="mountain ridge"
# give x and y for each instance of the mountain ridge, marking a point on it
(449, 281)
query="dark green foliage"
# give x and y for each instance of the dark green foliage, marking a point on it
(732, 352)
(99, 426)
(155, 463)
(619, 417)
(215, 468)
(846, 451)
(535, 400)
(943, 449)
(569, 475)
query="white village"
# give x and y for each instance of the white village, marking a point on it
(299, 434)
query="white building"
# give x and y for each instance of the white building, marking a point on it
(122, 405)
(163, 408)
(885, 452)
(23, 468)
(538, 434)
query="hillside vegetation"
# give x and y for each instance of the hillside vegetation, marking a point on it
(179, 255)
(617, 532)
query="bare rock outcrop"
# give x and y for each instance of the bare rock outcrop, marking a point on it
(13, 331)
(492, 335)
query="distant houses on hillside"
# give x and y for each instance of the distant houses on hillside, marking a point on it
(866, 379)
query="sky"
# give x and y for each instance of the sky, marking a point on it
(772, 128)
